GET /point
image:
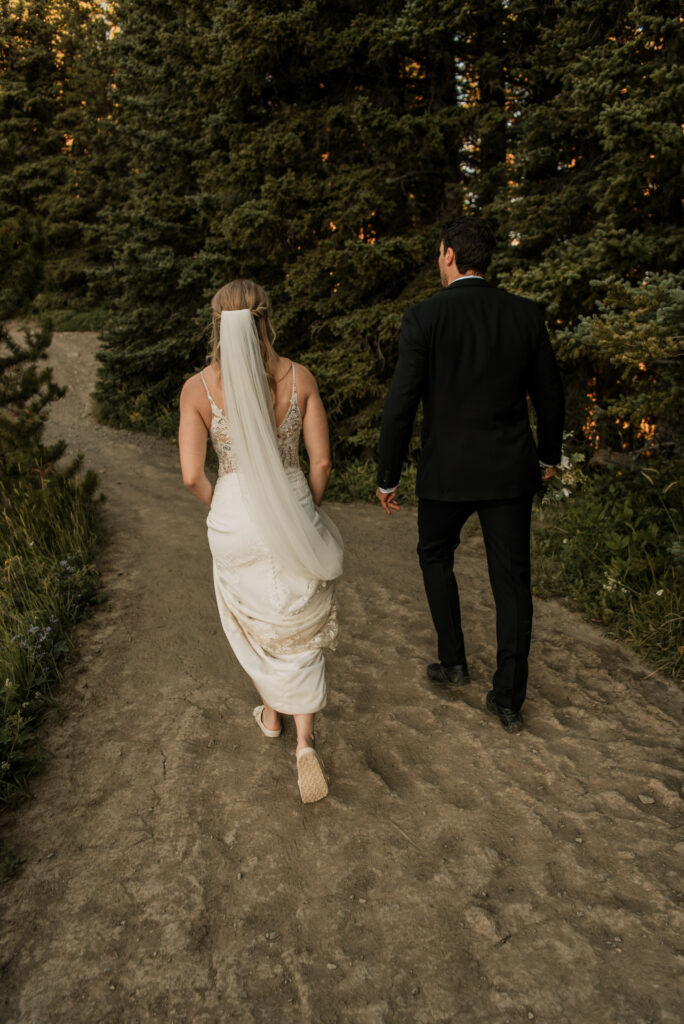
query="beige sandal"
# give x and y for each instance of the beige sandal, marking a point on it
(312, 781)
(271, 733)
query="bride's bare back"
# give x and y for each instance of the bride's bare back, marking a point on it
(196, 415)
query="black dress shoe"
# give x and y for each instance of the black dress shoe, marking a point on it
(455, 674)
(510, 719)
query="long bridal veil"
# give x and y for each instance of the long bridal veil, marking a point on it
(299, 542)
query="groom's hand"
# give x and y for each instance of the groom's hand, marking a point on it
(388, 501)
(547, 472)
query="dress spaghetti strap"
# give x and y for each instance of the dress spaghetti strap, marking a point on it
(214, 406)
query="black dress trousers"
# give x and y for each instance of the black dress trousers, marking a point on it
(505, 526)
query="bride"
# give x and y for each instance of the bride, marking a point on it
(276, 554)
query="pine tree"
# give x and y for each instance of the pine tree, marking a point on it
(324, 148)
(29, 145)
(89, 163)
(483, 50)
(341, 162)
(25, 391)
(317, 147)
(633, 345)
(596, 151)
(52, 91)
(154, 223)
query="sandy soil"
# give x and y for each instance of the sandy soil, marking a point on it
(455, 874)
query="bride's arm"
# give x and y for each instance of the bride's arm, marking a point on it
(315, 433)
(192, 444)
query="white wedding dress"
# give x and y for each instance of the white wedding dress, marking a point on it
(276, 616)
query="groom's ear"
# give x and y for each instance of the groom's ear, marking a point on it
(449, 256)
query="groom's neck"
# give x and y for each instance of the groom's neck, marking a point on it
(454, 274)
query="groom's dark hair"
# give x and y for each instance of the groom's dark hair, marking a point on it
(472, 240)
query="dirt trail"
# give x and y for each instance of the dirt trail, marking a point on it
(455, 874)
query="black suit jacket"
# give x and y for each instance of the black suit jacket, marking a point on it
(473, 353)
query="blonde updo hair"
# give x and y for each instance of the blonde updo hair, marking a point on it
(242, 294)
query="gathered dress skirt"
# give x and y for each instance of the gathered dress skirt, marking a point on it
(277, 623)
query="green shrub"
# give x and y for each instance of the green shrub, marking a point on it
(615, 549)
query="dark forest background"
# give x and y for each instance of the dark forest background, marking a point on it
(152, 150)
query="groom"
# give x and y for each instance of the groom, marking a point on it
(473, 353)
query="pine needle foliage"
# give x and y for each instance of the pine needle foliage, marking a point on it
(592, 194)
(316, 147)
(29, 146)
(53, 94)
(634, 344)
(155, 225)
(319, 148)
(595, 150)
(26, 391)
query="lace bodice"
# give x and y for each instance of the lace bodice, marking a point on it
(288, 433)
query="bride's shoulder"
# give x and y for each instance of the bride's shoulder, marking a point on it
(305, 378)
(194, 387)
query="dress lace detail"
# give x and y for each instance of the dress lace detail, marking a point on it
(289, 433)
(275, 642)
